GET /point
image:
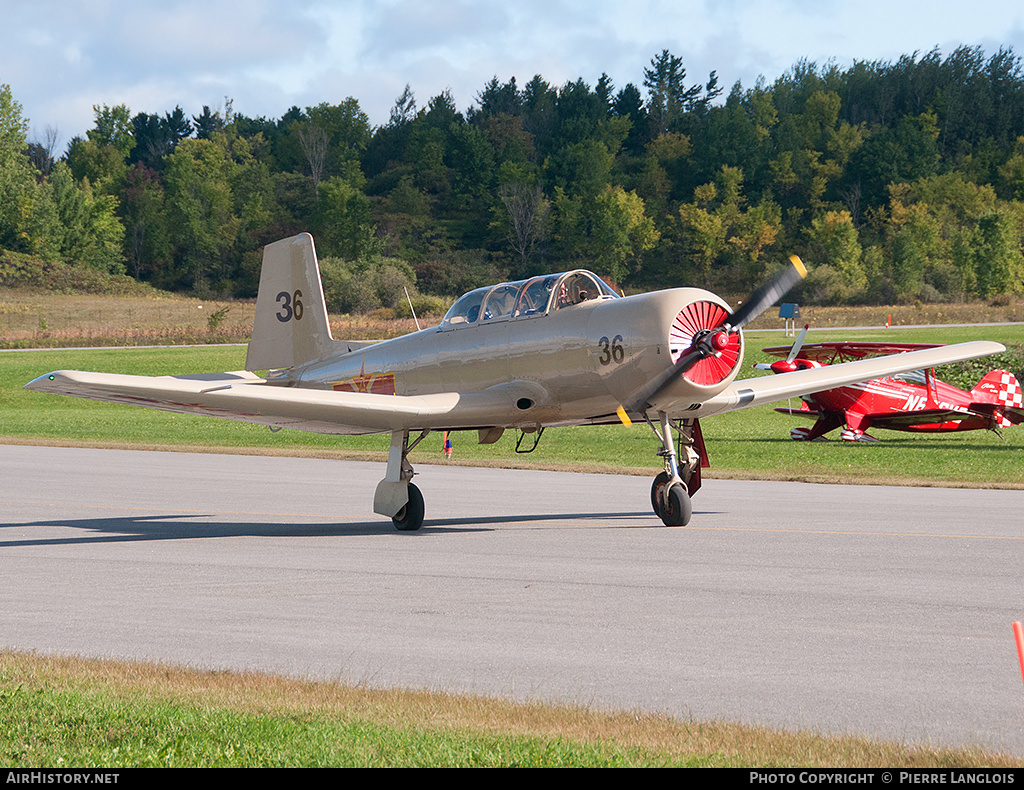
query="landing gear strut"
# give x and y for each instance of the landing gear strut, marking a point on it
(670, 492)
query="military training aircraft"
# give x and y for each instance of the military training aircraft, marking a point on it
(553, 350)
(915, 400)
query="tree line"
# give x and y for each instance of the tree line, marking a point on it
(895, 181)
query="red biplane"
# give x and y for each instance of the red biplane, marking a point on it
(915, 401)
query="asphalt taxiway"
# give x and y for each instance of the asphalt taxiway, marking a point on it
(884, 611)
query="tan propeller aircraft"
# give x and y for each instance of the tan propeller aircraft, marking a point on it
(553, 350)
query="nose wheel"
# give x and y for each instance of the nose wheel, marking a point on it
(670, 501)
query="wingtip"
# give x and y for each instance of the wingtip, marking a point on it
(39, 383)
(798, 265)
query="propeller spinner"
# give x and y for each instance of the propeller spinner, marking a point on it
(787, 365)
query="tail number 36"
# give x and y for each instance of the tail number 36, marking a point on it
(610, 350)
(291, 306)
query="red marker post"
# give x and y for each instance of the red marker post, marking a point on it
(1018, 635)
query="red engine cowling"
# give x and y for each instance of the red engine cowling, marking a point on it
(693, 319)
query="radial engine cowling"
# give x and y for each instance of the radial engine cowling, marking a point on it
(666, 328)
(706, 344)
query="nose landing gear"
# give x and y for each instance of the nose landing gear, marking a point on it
(671, 490)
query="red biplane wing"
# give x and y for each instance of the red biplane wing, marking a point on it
(806, 411)
(906, 419)
(841, 351)
(744, 393)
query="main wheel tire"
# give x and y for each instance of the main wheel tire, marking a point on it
(678, 507)
(410, 517)
(656, 496)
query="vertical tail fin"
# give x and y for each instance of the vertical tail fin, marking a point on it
(290, 327)
(1000, 386)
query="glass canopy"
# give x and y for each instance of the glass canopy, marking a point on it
(526, 298)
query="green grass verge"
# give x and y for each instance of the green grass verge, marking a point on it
(71, 712)
(752, 443)
(45, 727)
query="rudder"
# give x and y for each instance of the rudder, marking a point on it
(290, 327)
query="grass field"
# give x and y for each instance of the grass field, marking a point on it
(65, 712)
(41, 319)
(68, 712)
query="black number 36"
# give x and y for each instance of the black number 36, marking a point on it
(291, 306)
(611, 351)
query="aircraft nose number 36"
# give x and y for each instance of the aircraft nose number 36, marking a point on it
(611, 351)
(291, 306)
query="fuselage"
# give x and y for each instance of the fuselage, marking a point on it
(578, 363)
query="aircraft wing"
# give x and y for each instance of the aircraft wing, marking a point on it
(826, 352)
(767, 389)
(809, 413)
(978, 413)
(908, 419)
(245, 397)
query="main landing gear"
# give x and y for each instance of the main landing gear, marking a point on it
(395, 496)
(400, 500)
(670, 492)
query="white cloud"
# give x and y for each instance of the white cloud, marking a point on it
(64, 56)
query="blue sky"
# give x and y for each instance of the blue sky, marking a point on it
(62, 57)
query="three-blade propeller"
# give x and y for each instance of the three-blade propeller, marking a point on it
(710, 342)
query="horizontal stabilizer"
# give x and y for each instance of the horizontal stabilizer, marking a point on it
(1014, 415)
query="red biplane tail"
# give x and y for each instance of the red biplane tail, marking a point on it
(1002, 387)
